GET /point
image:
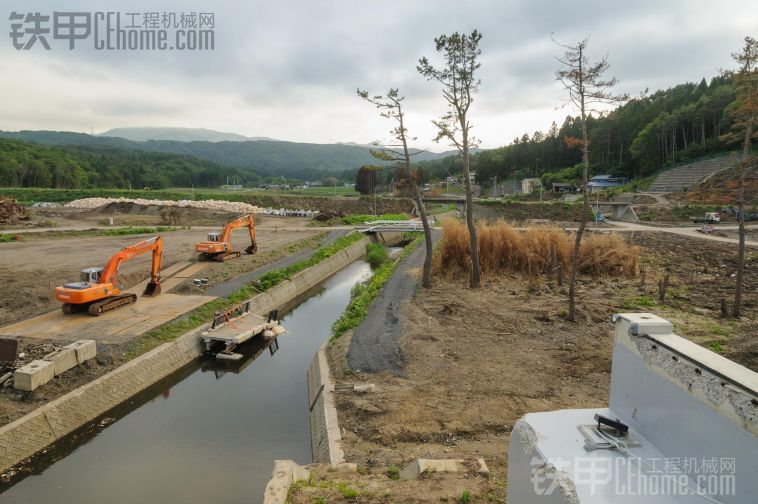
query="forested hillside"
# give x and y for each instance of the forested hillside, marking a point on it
(26, 164)
(638, 138)
(269, 158)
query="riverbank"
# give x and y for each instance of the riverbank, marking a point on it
(475, 360)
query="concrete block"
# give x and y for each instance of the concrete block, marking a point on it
(420, 467)
(34, 374)
(286, 472)
(63, 359)
(86, 349)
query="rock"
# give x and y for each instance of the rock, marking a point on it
(482, 469)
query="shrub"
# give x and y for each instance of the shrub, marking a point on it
(376, 254)
(393, 472)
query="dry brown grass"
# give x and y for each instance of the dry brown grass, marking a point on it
(502, 248)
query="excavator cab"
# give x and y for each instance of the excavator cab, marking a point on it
(214, 236)
(90, 275)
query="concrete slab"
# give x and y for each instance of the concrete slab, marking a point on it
(63, 359)
(84, 350)
(34, 374)
(191, 270)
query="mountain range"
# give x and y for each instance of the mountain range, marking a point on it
(267, 157)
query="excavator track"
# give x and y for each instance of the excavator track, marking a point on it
(99, 307)
(222, 257)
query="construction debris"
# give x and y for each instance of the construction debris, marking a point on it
(11, 211)
(220, 205)
(328, 215)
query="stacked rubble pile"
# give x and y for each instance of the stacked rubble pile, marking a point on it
(328, 215)
(219, 205)
(11, 211)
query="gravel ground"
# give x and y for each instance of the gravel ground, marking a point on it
(374, 345)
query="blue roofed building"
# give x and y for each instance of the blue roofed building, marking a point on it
(599, 182)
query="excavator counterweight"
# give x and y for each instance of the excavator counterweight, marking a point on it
(218, 246)
(97, 292)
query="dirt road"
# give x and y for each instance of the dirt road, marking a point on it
(690, 231)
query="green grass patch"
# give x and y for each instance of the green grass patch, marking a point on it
(639, 302)
(719, 330)
(358, 308)
(716, 346)
(393, 472)
(4, 238)
(354, 219)
(465, 497)
(440, 209)
(376, 254)
(202, 314)
(137, 230)
(347, 491)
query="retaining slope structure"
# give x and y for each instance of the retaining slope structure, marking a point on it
(31, 433)
(689, 175)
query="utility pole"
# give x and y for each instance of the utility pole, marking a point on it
(494, 188)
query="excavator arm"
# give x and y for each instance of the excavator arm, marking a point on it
(154, 245)
(246, 221)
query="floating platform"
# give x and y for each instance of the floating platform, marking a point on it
(236, 326)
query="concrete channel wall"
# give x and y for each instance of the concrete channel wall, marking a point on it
(31, 433)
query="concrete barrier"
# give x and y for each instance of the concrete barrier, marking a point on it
(40, 428)
(326, 438)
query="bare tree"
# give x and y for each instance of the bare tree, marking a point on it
(586, 89)
(746, 84)
(391, 107)
(461, 54)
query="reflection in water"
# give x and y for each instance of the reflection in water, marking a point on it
(213, 438)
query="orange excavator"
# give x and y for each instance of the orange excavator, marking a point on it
(96, 290)
(218, 247)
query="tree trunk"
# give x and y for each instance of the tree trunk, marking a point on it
(426, 281)
(475, 273)
(582, 221)
(737, 309)
(702, 129)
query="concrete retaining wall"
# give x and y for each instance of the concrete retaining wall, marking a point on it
(31, 433)
(326, 438)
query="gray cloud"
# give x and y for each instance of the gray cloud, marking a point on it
(289, 69)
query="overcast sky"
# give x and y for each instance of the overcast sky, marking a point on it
(289, 69)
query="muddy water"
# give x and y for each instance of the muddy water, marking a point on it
(210, 433)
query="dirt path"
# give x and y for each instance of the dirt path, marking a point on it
(374, 346)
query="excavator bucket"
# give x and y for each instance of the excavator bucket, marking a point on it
(152, 289)
(252, 249)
